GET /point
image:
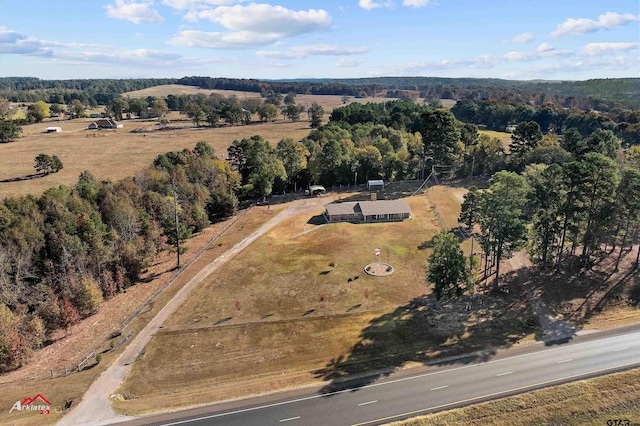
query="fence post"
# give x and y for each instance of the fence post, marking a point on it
(51, 373)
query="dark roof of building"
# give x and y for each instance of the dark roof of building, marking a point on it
(368, 208)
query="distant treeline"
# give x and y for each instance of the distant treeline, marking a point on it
(601, 94)
(92, 92)
(497, 115)
(597, 94)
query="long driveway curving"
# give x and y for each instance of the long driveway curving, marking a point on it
(95, 408)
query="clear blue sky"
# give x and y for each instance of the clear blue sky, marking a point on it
(514, 39)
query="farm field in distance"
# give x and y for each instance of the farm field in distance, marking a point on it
(115, 154)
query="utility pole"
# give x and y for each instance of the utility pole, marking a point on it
(473, 163)
(175, 217)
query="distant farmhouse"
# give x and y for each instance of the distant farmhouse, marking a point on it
(368, 211)
(106, 123)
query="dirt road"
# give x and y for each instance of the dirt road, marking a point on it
(95, 407)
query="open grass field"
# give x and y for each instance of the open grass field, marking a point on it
(503, 136)
(297, 308)
(328, 102)
(115, 154)
(588, 402)
(289, 312)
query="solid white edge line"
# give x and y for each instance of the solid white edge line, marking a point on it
(293, 401)
(496, 395)
(289, 419)
(367, 403)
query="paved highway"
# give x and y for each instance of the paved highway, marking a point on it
(434, 390)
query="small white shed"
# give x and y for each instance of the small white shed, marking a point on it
(53, 129)
(375, 185)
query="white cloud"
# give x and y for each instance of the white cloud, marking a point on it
(253, 25)
(265, 18)
(592, 49)
(607, 21)
(544, 50)
(368, 4)
(300, 52)
(220, 40)
(134, 12)
(389, 4)
(521, 38)
(415, 3)
(197, 4)
(348, 63)
(13, 42)
(545, 47)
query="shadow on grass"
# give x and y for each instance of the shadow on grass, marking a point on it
(222, 320)
(417, 333)
(354, 307)
(26, 177)
(460, 232)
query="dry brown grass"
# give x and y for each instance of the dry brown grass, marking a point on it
(296, 311)
(588, 402)
(328, 102)
(116, 154)
(503, 136)
(92, 333)
(57, 391)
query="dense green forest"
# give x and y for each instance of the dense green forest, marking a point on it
(91, 92)
(597, 94)
(65, 251)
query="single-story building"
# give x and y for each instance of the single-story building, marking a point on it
(53, 129)
(106, 123)
(368, 211)
(375, 185)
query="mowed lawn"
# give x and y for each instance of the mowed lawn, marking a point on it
(282, 309)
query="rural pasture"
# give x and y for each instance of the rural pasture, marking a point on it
(116, 154)
(296, 308)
